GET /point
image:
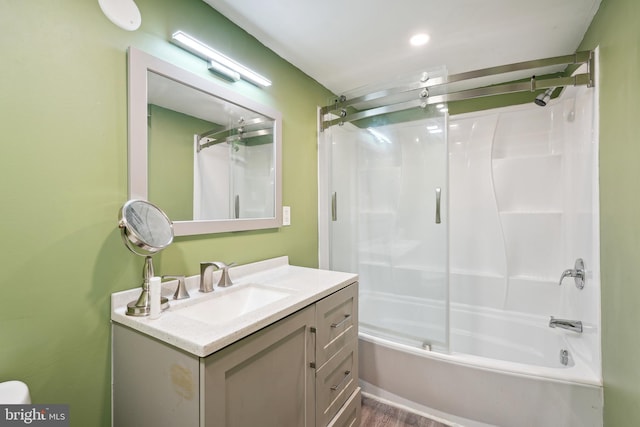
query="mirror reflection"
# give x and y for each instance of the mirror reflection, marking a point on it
(206, 154)
(208, 159)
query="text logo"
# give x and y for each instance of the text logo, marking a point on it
(34, 415)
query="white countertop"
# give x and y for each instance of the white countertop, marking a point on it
(307, 285)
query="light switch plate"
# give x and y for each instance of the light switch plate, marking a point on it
(286, 215)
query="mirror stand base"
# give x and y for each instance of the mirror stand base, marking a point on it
(140, 307)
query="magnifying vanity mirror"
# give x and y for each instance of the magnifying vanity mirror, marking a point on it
(209, 155)
(145, 231)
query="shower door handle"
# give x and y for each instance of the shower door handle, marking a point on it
(438, 205)
(334, 206)
(236, 207)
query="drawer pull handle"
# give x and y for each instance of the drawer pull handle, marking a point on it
(337, 386)
(337, 325)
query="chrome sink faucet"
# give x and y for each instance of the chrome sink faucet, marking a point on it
(206, 275)
(572, 325)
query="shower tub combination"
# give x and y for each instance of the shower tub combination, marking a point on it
(471, 342)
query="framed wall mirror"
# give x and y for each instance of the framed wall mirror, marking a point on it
(210, 157)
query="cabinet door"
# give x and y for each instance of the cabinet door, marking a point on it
(264, 380)
(154, 384)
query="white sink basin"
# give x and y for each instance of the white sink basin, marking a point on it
(233, 303)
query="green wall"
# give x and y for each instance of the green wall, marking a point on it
(171, 160)
(63, 104)
(615, 29)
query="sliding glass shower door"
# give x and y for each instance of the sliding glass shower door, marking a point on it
(388, 185)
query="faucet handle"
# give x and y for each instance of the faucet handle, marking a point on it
(225, 280)
(578, 273)
(181, 290)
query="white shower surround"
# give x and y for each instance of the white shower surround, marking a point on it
(524, 207)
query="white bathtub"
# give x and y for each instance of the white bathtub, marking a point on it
(503, 368)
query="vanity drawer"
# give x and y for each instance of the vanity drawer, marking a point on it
(349, 415)
(337, 322)
(335, 383)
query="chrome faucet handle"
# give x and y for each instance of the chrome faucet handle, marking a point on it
(577, 272)
(225, 280)
(181, 290)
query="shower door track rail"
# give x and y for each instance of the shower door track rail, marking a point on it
(438, 90)
(245, 129)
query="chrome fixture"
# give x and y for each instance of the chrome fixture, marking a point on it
(206, 275)
(334, 206)
(206, 278)
(564, 357)
(181, 290)
(455, 88)
(577, 272)
(225, 280)
(242, 131)
(145, 230)
(223, 71)
(438, 191)
(543, 98)
(217, 61)
(571, 325)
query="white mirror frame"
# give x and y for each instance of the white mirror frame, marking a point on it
(139, 64)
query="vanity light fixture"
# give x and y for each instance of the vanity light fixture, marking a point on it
(217, 61)
(224, 71)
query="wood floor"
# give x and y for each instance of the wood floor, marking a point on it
(378, 414)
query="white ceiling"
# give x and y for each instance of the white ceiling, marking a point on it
(347, 44)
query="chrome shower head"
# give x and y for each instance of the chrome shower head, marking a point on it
(543, 98)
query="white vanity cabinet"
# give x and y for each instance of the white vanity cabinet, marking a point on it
(299, 371)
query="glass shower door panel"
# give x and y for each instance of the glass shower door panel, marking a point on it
(386, 180)
(252, 188)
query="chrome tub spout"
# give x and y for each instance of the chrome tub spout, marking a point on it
(572, 325)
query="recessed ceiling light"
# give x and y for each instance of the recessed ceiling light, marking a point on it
(419, 39)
